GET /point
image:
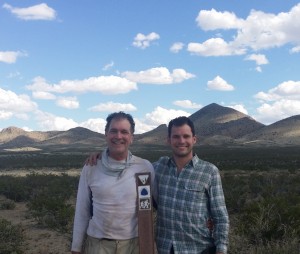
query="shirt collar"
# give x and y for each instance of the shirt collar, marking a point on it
(191, 163)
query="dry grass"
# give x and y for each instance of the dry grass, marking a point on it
(37, 240)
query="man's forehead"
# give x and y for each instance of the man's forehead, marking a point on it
(119, 123)
(182, 128)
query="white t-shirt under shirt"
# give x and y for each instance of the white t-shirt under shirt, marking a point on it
(114, 202)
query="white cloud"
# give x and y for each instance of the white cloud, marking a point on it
(142, 127)
(176, 47)
(258, 31)
(219, 84)
(108, 66)
(212, 20)
(295, 50)
(258, 58)
(4, 115)
(289, 90)
(279, 102)
(159, 76)
(112, 107)
(102, 84)
(36, 12)
(214, 47)
(143, 41)
(163, 116)
(187, 104)
(258, 69)
(48, 122)
(239, 107)
(12, 104)
(95, 124)
(264, 30)
(10, 56)
(67, 102)
(271, 112)
(25, 128)
(43, 95)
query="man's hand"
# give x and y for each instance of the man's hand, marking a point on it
(92, 159)
(210, 224)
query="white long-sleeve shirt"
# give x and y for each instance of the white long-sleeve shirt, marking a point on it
(113, 200)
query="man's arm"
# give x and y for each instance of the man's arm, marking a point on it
(219, 213)
(82, 212)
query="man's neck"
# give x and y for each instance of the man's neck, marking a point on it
(182, 161)
(117, 157)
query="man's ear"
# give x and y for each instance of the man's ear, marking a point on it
(168, 141)
(195, 139)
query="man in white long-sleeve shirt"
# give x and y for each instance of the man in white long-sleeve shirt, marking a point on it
(106, 207)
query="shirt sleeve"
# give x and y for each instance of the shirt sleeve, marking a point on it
(82, 212)
(219, 213)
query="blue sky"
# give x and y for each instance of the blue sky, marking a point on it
(65, 64)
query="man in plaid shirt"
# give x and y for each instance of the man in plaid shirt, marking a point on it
(188, 193)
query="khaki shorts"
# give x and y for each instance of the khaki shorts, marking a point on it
(106, 246)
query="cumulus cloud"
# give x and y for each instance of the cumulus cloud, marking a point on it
(4, 115)
(187, 104)
(112, 107)
(142, 127)
(102, 84)
(214, 47)
(212, 20)
(271, 112)
(163, 116)
(36, 12)
(240, 108)
(176, 47)
(10, 56)
(67, 102)
(279, 102)
(158, 76)
(143, 41)
(48, 122)
(108, 66)
(295, 50)
(286, 90)
(43, 95)
(12, 104)
(95, 124)
(260, 59)
(259, 30)
(219, 84)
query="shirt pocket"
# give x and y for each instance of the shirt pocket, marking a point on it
(196, 192)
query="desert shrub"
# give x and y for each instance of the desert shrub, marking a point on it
(46, 195)
(7, 205)
(14, 188)
(265, 214)
(11, 238)
(51, 211)
(48, 203)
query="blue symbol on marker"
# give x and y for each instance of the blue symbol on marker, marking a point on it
(144, 192)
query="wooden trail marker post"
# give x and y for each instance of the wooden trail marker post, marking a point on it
(145, 213)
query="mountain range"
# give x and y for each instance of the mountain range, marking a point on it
(214, 125)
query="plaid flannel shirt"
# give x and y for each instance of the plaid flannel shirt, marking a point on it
(185, 202)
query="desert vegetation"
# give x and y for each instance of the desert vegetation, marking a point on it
(261, 188)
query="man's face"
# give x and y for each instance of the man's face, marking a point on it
(119, 138)
(182, 141)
